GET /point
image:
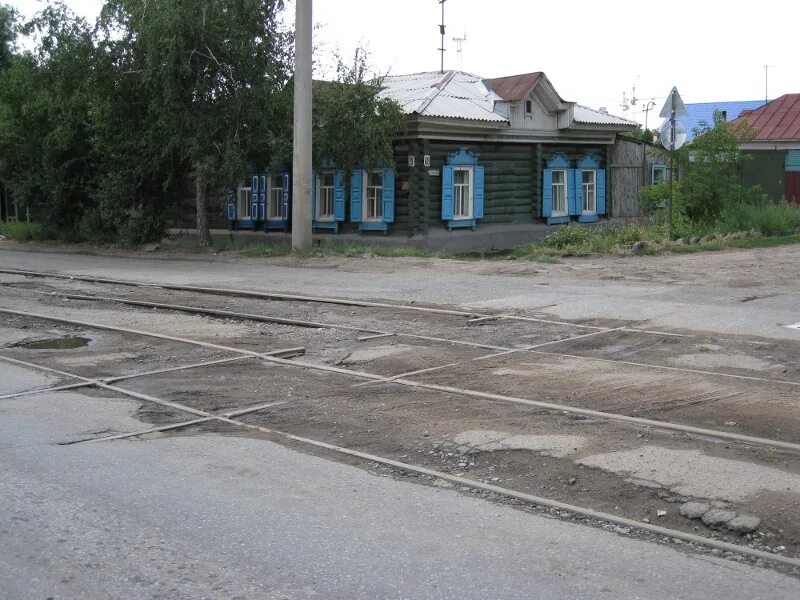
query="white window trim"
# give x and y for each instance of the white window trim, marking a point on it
(274, 211)
(239, 213)
(583, 190)
(653, 170)
(319, 217)
(365, 203)
(560, 213)
(471, 183)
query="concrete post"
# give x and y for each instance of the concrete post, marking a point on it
(301, 169)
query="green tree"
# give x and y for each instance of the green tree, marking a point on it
(209, 72)
(44, 133)
(8, 34)
(711, 170)
(644, 135)
(354, 124)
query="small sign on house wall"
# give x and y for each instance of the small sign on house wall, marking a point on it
(411, 160)
(426, 160)
(433, 172)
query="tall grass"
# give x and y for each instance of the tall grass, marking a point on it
(21, 231)
(768, 219)
(740, 226)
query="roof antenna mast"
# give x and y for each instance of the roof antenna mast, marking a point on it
(766, 82)
(460, 48)
(441, 32)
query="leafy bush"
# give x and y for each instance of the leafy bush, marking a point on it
(599, 238)
(21, 231)
(652, 198)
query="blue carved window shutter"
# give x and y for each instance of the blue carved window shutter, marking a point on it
(262, 198)
(313, 195)
(269, 183)
(231, 204)
(572, 192)
(285, 207)
(447, 193)
(356, 192)
(547, 193)
(338, 196)
(601, 192)
(388, 196)
(477, 197)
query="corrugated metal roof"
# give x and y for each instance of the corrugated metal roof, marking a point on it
(514, 87)
(459, 95)
(779, 120)
(452, 95)
(703, 112)
(584, 114)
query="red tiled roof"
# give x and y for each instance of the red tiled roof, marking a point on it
(778, 120)
(514, 87)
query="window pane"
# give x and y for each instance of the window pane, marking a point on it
(588, 176)
(461, 176)
(327, 179)
(558, 176)
(375, 179)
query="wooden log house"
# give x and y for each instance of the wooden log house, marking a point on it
(474, 151)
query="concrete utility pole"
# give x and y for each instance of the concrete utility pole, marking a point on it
(301, 166)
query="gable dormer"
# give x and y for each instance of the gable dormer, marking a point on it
(531, 102)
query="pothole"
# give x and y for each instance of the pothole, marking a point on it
(64, 343)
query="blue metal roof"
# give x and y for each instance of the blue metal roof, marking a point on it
(704, 112)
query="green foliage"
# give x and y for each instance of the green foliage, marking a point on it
(767, 218)
(710, 167)
(44, 133)
(21, 231)
(9, 28)
(652, 198)
(581, 240)
(354, 126)
(644, 135)
(104, 129)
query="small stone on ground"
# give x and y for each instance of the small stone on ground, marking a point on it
(743, 524)
(694, 510)
(718, 516)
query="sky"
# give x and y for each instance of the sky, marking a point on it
(591, 51)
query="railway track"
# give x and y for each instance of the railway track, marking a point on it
(284, 357)
(229, 418)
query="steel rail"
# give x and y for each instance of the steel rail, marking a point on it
(500, 350)
(456, 479)
(651, 423)
(174, 426)
(474, 316)
(283, 353)
(493, 355)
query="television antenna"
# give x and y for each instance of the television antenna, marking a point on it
(460, 48)
(441, 32)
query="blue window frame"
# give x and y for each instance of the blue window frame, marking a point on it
(558, 190)
(590, 189)
(463, 191)
(372, 194)
(327, 199)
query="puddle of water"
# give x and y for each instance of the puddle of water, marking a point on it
(68, 343)
(794, 326)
